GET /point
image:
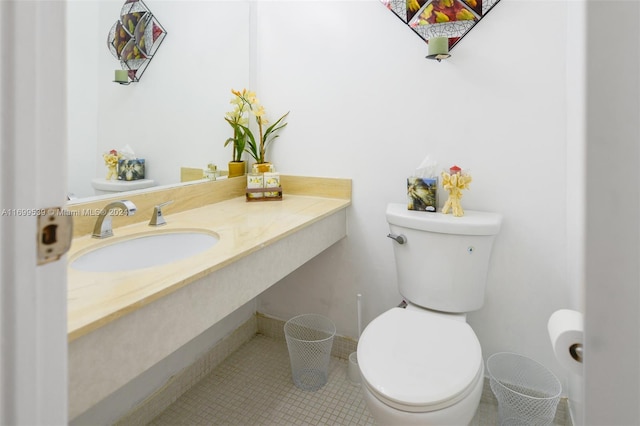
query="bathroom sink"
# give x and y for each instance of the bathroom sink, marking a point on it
(144, 251)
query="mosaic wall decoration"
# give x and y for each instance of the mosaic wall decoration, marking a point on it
(441, 18)
(135, 38)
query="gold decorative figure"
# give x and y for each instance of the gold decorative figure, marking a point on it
(454, 183)
(111, 161)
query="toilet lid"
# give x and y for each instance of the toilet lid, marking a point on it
(419, 361)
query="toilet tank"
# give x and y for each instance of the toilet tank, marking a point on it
(443, 263)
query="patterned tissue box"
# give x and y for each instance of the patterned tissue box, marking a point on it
(131, 169)
(422, 194)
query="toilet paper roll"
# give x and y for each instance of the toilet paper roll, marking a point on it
(566, 330)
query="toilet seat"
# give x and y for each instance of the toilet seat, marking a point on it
(419, 361)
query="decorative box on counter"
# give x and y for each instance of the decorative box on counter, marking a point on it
(131, 169)
(257, 183)
(422, 194)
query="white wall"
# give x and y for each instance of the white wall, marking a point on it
(174, 116)
(83, 35)
(366, 104)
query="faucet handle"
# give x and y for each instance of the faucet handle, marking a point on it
(156, 218)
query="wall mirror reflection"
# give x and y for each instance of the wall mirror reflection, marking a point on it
(174, 117)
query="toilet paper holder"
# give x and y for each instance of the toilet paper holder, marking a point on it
(576, 352)
(566, 331)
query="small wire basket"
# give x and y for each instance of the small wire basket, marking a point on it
(527, 392)
(309, 340)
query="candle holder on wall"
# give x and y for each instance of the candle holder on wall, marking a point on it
(134, 39)
(435, 20)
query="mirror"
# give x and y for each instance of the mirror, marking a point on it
(174, 116)
(441, 18)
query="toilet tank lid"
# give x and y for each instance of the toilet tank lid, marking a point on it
(121, 185)
(472, 223)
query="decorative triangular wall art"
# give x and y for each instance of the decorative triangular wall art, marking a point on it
(452, 19)
(134, 39)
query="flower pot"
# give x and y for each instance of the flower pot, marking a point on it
(262, 167)
(237, 168)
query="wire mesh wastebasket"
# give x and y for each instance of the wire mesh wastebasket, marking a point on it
(309, 340)
(527, 392)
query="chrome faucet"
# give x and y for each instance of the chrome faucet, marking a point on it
(102, 228)
(156, 218)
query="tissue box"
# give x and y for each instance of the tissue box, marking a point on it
(422, 194)
(131, 169)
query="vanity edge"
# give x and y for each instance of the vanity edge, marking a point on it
(198, 194)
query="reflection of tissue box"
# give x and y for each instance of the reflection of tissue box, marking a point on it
(421, 194)
(131, 169)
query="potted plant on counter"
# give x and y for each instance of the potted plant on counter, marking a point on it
(257, 148)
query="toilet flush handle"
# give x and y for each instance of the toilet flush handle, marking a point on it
(400, 239)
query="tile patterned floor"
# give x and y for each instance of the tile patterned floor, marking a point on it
(253, 386)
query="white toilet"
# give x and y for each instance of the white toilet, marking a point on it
(422, 365)
(103, 186)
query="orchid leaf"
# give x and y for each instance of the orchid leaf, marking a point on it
(251, 146)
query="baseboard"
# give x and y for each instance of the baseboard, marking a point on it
(274, 328)
(178, 384)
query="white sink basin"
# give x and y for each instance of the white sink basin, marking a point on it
(144, 251)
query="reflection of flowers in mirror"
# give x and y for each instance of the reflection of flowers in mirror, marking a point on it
(111, 161)
(237, 118)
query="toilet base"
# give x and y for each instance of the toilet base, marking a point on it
(456, 415)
